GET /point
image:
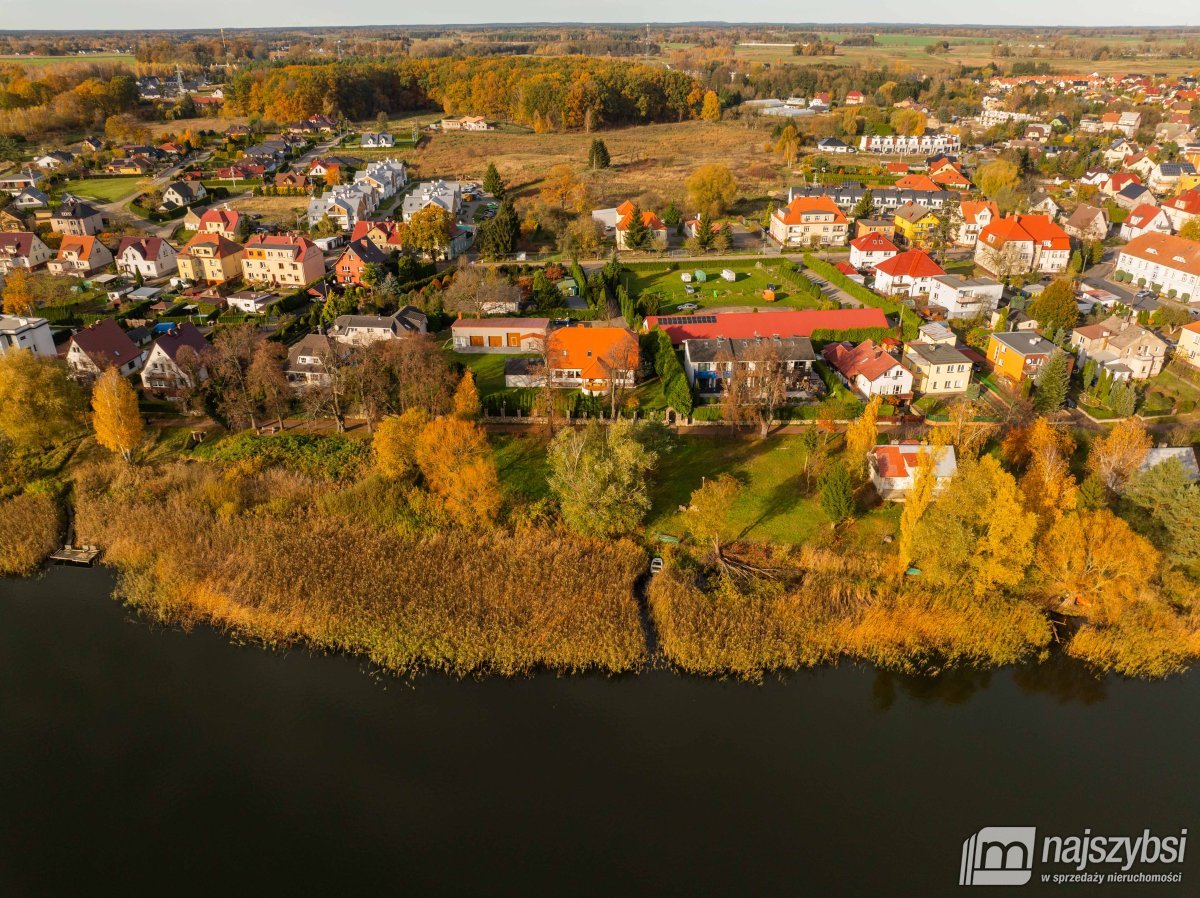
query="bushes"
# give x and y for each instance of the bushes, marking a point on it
(28, 533)
(676, 389)
(328, 457)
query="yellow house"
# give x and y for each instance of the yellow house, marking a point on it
(1016, 355)
(210, 259)
(1188, 181)
(916, 224)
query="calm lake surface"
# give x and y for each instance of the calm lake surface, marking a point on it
(139, 758)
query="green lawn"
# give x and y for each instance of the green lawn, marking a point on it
(108, 190)
(487, 367)
(521, 464)
(40, 61)
(745, 291)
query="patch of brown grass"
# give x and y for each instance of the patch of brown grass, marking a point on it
(28, 533)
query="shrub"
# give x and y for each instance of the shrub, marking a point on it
(28, 533)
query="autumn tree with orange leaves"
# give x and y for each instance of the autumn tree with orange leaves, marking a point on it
(455, 460)
(115, 414)
(1116, 457)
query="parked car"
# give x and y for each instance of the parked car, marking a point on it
(689, 306)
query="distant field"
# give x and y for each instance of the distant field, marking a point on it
(39, 61)
(276, 211)
(108, 190)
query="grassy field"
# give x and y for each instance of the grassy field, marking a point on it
(108, 190)
(745, 291)
(43, 61)
(272, 211)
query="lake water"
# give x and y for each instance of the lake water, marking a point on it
(143, 758)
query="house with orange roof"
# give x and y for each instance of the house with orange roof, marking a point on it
(894, 467)
(656, 230)
(917, 182)
(284, 260)
(809, 221)
(1187, 349)
(951, 177)
(870, 249)
(223, 221)
(1163, 263)
(592, 359)
(910, 273)
(210, 258)
(973, 217)
(387, 234)
(869, 369)
(79, 256)
(1021, 244)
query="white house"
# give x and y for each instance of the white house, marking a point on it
(363, 330)
(1145, 219)
(869, 369)
(910, 273)
(20, 332)
(1165, 263)
(22, 249)
(164, 371)
(152, 257)
(964, 297)
(447, 194)
(870, 249)
(929, 144)
(894, 468)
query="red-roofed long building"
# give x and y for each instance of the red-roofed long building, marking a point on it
(785, 324)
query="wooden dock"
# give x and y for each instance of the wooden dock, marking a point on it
(80, 556)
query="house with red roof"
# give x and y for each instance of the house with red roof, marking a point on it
(854, 98)
(1183, 207)
(894, 467)
(1021, 244)
(592, 359)
(151, 257)
(783, 324)
(809, 221)
(1145, 219)
(917, 182)
(285, 260)
(1118, 182)
(100, 346)
(657, 231)
(910, 273)
(870, 249)
(224, 221)
(869, 369)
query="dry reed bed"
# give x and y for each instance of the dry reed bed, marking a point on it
(254, 553)
(28, 533)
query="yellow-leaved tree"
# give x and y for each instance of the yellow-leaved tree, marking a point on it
(1116, 457)
(862, 435)
(977, 534)
(711, 110)
(395, 442)
(456, 461)
(917, 502)
(18, 293)
(1094, 560)
(1048, 485)
(466, 398)
(115, 414)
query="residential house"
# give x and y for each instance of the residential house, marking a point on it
(869, 369)
(1118, 151)
(447, 194)
(183, 193)
(252, 302)
(937, 368)
(355, 258)
(1017, 355)
(308, 361)
(79, 256)
(833, 145)
(916, 225)
(1021, 244)
(500, 335)
(1145, 219)
(973, 217)
(894, 468)
(363, 330)
(1187, 349)
(129, 165)
(710, 364)
(210, 258)
(1044, 204)
(22, 332)
(168, 370)
(466, 123)
(10, 222)
(384, 176)
(100, 346)
(870, 249)
(854, 98)
(809, 221)
(76, 217)
(1122, 347)
(1133, 195)
(916, 181)
(344, 205)
(30, 198)
(884, 227)
(911, 145)
(223, 221)
(1114, 184)
(22, 249)
(965, 297)
(285, 260)
(1165, 263)
(1126, 123)
(592, 359)
(1038, 132)
(376, 139)
(950, 177)
(1087, 223)
(14, 182)
(1185, 455)
(1165, 176)
(1182, 208)
(909, 273)
(151, 257)
(293, 180)
(656, 231)
(386, 233)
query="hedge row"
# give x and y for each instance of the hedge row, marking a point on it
(909, 321)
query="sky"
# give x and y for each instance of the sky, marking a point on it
(150, 14)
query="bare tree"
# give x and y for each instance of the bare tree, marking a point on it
(756, 386)
(229, 360)
(476, 291)
(621, 360)
(330, 397)
(267, 382)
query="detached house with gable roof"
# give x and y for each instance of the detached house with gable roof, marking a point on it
(1122, 347)
(164, 370)
(809, 221)
(22, 249)
(79, 257)
(869, 369)
(973, 217)
(894, 468)
(592, 359)
(363, 330)
(910, 273)
(1145, 219)
(870, 249)
(1022, 244)
(151, 257)
(1087, 223)
(74, 216)
(282, 259)
(100, 346)
(656, 230)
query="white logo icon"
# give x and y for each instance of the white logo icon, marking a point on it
(998, 856)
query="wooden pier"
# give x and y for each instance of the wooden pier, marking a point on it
(80, 556)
